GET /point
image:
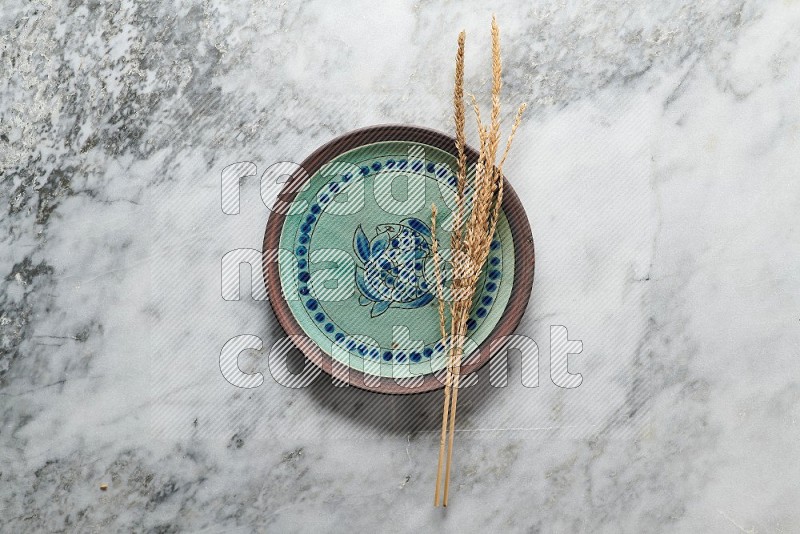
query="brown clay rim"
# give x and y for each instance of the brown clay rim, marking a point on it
(520, 230)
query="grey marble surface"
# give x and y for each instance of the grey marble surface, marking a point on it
(658, 165)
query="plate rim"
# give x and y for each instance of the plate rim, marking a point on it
(518, 222)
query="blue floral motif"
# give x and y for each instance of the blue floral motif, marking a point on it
(392, 270)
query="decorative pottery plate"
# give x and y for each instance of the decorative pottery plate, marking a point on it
(353, 280)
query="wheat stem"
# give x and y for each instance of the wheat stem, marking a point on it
(471, 237)
(459, 118)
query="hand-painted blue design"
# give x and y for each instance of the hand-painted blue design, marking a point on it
(386, 254)
(392, 271)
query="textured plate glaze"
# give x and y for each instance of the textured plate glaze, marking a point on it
(354, 272)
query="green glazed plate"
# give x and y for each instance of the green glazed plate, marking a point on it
(354, 276)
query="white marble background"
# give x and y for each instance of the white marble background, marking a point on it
(659, 167)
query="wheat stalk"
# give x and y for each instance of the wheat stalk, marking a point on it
(471, 238)
(439, 294)
(461, 138)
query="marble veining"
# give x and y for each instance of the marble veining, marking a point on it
(658, 164)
